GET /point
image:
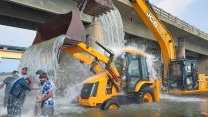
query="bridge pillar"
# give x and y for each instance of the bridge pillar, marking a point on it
(95, 30)
(181, 48)
(202, 64)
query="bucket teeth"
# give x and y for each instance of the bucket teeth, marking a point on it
(95, 7)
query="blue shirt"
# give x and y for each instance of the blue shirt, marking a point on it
(47, 87)
(19, 88)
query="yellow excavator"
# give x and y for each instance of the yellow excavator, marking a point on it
(123, 81)
(179, 76)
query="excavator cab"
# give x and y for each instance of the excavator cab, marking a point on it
(183, 74)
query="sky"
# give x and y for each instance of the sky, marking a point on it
(194, 12)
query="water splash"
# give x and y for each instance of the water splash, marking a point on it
(150, 62)
(182, 98)
(65, 72)
(43, 56)
(83, 5)
(112, 26)
(150, 65)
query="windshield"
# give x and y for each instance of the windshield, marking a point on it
(121, 63)
(132, 64)
(175, 69)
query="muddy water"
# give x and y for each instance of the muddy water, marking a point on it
(170, 106)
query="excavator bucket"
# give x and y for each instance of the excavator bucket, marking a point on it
(94, 7)
(69, 24)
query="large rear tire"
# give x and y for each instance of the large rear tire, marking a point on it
(110, 104)
(145, 95)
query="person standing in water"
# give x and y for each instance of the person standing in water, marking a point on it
(17, 93)
(46, 100)
(8, 82)
(38, 86)
(24, 71)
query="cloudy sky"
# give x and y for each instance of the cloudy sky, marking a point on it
(194, 12)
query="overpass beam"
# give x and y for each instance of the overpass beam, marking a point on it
(54, 6)
(10, 54)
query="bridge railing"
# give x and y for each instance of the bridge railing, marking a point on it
(180, 22)
(12, 48)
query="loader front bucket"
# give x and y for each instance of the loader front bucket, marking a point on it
(69, 24)
(94, 7)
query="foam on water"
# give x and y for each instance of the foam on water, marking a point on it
(175, 98)
(72, 91)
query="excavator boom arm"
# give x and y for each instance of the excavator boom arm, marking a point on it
(159, 31)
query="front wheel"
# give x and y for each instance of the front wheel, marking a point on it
(110, 104)
(145, 95)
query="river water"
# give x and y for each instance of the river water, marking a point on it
(169, 106)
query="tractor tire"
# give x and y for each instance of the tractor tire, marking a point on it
(144, 95)
(110, 104)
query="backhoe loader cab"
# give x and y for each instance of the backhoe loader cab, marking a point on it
(132, 68)
(183, 74)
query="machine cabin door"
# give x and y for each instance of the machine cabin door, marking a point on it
(190, 73)
(175, 78)
(183, 74)
(136, 71)
(132, 68)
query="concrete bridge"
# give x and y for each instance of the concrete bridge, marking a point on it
(30, 14)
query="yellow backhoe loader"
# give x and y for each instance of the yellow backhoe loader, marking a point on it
(104, 88)
(180, 76)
